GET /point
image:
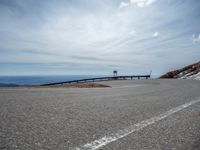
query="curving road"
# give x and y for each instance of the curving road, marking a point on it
(131, 115)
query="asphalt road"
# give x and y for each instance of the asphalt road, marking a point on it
(132, 115)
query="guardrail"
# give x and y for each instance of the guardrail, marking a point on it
(100, 79)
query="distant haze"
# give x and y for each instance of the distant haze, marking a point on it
(48, 37)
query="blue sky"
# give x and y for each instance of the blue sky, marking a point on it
(95, 37)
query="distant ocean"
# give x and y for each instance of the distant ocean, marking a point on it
(36, 80)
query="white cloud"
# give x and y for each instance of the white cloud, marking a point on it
(132, 33)
(123, 5)
(156, 34)
(142, 3)
(110, 31)
(196, 39)
(139, 3)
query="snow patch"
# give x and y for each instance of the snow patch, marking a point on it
(195, 77)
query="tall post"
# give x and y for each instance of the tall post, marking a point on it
(115, 73)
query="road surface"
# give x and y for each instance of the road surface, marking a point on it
(131, 115)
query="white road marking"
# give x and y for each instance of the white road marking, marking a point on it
(96, 144)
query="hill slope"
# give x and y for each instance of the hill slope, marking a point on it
(188, 72)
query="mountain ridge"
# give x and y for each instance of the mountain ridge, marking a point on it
(189, 72)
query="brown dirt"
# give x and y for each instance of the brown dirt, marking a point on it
(72, 85)
(77, 85)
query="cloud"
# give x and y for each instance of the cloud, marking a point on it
(123, 5)
(196, 39)
(132, 33)
(98, 33)
(142, 3)
(139, 3)
(155, 35)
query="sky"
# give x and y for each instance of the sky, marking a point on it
(95, 37)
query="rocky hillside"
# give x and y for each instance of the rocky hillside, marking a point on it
(188, 72)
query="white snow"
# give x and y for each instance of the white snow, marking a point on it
(195, 77)
(184, 76)
(189, 76)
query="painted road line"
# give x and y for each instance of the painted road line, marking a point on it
(96, 144)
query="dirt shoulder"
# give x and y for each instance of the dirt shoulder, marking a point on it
(72, 85)
(77, 85)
